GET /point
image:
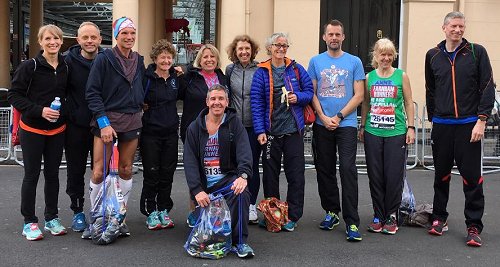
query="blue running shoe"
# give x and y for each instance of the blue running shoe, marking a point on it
(32, 232)
(289, 226)
(243, 251)
(55, 227)
(191, 219)
(331, 220)
(352, 233)
(153, 222)
(165, 220)
(79, 223)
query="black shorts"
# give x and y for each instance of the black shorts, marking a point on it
(124, 137)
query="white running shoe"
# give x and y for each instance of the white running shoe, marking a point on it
(252, 215)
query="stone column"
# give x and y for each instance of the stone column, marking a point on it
(5, 43)
(36, 21)
(146, 28)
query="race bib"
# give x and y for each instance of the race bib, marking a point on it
(383, 117)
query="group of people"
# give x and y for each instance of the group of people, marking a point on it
(254, 110)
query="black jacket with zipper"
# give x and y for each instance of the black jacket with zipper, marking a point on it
(460, 88)
(160, 118)
(234, 150)
(195, 95)
(79, 69)
(33, 89)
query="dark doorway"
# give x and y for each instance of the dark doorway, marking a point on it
(365, 21)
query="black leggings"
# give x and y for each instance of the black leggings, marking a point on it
(34, 147)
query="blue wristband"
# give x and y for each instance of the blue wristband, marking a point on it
(103, 122)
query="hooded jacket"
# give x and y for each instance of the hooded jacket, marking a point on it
(161, 117)
(461, 88)
(108, 88)
(239, 81)
(234, 150)
(79, 69)
(33, 89)
(195, 95)
(262, 94)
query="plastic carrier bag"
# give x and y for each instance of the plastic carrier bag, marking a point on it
(275, 212)
(109, 209)
(211, 236)
(407, 199)
(407, 206)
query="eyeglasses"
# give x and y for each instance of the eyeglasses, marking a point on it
(284, 46)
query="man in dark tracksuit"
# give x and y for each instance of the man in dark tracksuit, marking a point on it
(79, 139)
(459, 96)
(216, 155)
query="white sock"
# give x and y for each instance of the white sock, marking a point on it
(126, 187)
(93, 190)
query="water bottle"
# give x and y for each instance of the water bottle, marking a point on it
(55, 105)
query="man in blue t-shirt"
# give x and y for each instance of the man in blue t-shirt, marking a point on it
(338, 79)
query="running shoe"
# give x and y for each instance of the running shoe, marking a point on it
(32, 232)
(153, 222)
(191, 219)
(55, 227)
(438, 227)
(376, 225)
(289, 226)
(331, 220)
(86, 233)
(79, 223)
(473, 239)
(391, 225)
(253, 218)
(124, 231)
(165, 220)
(244, 251)
(352, 233)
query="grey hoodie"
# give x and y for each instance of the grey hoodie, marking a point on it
(240, 82)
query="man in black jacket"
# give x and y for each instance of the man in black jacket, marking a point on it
(460, 95)
(217, 154)
(79, 139)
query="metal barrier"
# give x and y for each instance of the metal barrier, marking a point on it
(490, 144)
(412, 158)
(5, 135)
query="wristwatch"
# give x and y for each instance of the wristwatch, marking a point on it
(340, 115)
(482, 118)
(244, 176)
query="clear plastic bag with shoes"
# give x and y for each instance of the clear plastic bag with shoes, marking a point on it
(211, 235)
(109, 209)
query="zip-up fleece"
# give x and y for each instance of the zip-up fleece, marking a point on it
(195, 95)
(161, 97)
(240, 82)
(461, 88)
(108, 88)
(262, 94)
(234, 150)
(79, 69)
(46, 84)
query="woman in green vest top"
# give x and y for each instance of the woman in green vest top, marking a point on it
(385, 133)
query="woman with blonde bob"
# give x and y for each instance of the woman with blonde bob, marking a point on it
(36, 83)
(387, 128)
(202, 75)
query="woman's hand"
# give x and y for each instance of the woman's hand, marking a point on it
(50, 114)
(262, 138)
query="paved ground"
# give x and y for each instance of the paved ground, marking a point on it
(308, 245)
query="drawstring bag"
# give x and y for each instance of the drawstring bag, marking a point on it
(211, 238)
(275, 213)
(109, 209)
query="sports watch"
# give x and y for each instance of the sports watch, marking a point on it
(340, 115)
